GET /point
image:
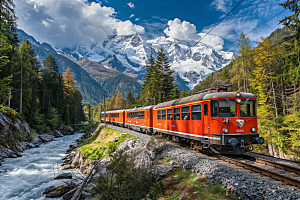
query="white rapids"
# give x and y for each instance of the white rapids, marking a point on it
(26, 177)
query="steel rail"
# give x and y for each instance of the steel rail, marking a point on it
(295, 170)
(265, 172)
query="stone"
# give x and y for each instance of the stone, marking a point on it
(56, 133)
(64, 176)
(36, 139)
(46, 138)
(85, 195)
(66, 167)
(60, 191)
(127, 144)
(49, 189)
(69, 194)
(162, 169)
(6, 153)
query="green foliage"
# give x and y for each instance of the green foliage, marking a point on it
(272, 75)
(159, 81)
(124, 181)
(11, 113)
(91, 147)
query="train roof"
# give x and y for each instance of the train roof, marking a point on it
(141, 108)
(114, 111)
(204, 96)
(131, 109)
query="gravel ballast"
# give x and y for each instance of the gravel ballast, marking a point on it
(239, 183)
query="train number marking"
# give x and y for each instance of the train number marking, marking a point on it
(173, 125)
(198, 124)
(129, 121)
(158, 123)
(240, 130)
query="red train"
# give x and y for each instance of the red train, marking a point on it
(217, 120)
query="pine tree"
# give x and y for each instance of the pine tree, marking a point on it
(151, 81)
(166, 78)
(130, 100)
(292, 21)
(5, 48)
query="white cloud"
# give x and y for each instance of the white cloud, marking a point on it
(47, 25)
(187, 31)
(64, 23)
(245, 18)
(137, 19)
(222, 5)
(131, 5)
(181, 30)
(131, 16)
(212, 41)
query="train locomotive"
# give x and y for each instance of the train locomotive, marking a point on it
(219, 121)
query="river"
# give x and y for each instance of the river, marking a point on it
(26, 177)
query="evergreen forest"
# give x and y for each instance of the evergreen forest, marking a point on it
(33, 88)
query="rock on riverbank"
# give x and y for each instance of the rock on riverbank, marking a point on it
(15, 137)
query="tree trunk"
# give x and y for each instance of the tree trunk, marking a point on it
(21, 91)
(282, 100)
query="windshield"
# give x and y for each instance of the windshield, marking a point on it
(247, 108)
(227, 108)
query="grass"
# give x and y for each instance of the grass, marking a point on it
(180, 182)
(92, 147)
(11, 113)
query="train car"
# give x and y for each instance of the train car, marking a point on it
(139, 119)
(217, 120)
(106, 118)
(117, 117)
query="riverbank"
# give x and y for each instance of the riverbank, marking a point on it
(16, 137)
(26, 177)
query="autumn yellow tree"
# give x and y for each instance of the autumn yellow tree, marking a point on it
(119, 101)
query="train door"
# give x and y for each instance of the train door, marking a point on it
(205, 119)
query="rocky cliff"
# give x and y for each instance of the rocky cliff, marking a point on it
(15, 135)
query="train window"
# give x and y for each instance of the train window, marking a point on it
(176, 113)
(214, 108)
(158, 115)
(196, 112)
(247, 108)
(227, 108)
(185, 113)
(205, 110)
(169, 114)
(163, 114)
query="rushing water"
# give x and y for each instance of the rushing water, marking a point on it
(26, 177)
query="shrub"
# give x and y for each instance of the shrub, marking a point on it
(11, 113)
(124, 180)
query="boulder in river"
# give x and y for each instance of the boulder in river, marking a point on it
(56, 133)
(36, 139)
(46, 138)
(60, 191)
(64, 176)
(49, 189)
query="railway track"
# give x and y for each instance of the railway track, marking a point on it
(285, 173)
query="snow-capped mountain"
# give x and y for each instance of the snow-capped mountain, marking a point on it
(129, 55)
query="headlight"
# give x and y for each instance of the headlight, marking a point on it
(253, 130)
(238, 100)
(225, 130)
(238, 94)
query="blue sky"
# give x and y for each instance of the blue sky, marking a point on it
(80, 22)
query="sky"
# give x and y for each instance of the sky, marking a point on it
(66, 23)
